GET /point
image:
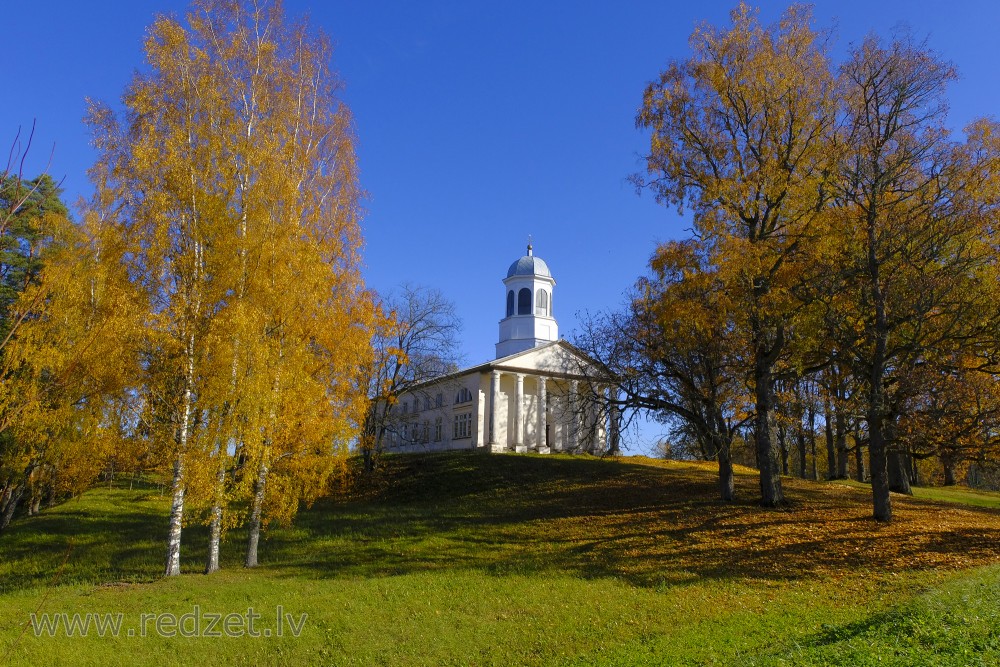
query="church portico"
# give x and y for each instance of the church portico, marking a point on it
(539, 394)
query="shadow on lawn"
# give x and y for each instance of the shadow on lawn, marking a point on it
(648, 525)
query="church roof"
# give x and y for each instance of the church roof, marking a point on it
(529, 265)
(549, 359)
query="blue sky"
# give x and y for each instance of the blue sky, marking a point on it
(479, 123)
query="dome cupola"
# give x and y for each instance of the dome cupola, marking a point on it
(528, 320)
(529, 265)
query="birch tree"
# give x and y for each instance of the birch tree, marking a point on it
(234, 187)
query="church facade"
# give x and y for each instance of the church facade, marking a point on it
(539, 394)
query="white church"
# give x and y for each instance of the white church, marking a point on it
(540, 394)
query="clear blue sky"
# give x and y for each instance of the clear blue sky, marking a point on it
(479, 123)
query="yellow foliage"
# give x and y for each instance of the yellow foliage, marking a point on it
(235, 181)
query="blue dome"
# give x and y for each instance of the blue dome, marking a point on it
(529, 265)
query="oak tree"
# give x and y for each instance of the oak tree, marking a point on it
(739, 134)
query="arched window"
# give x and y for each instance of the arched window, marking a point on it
(542, 303)
(510, 303)
(524, 301)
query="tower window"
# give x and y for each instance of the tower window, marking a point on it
(524, 301)
(542, 303)
(510, 303)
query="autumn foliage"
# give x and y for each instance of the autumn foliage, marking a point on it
(207, 318)
(852, 235)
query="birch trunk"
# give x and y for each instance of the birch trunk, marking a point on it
(13, 499)
(173, 566)
(253, 539)
(215, 527)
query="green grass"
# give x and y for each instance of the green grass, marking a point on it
(961, 495)
(503, 560)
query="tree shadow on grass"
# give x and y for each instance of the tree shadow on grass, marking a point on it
(645, 524)
(635, 522)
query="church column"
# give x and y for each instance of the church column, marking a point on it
(494, 412)
(614, 435)
(519, 445)
(574, 415)
(543, 417)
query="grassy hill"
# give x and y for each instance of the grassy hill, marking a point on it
(465, 559)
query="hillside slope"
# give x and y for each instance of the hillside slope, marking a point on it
(471, 559)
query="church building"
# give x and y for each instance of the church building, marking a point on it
(539, 394)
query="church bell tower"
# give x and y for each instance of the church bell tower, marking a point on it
(528, 320)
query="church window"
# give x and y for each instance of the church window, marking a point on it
(510, 303)
(524, 301)
(542, 303)
(463, 426)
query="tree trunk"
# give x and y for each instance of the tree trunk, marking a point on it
(878, 464)
(879, 431)
(727, 486)
(840, 423)
(949, 471)
(800, 441)
(859, 455)
(831, 452)
(215, 527)
(12, 499)
(812, 439)
(771, 493)
(899, 478)
(255, 516)
(783, 448)
(368, 458)
(173, 567)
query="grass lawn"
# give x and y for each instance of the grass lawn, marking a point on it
(466, 559)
